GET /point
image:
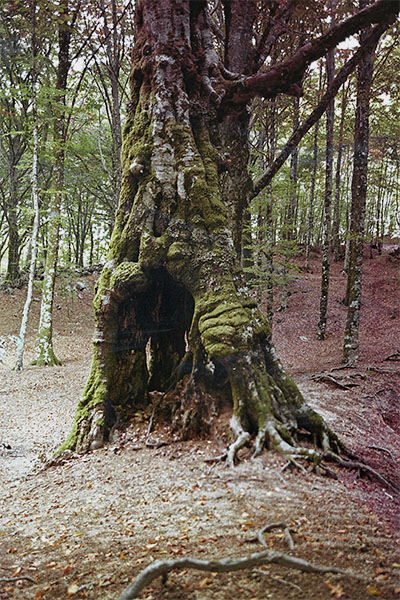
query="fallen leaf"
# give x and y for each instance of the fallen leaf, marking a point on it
(205, 583)
(72, 589)
(374, 591)
(336, 589)
(67, 569)
(40, 593)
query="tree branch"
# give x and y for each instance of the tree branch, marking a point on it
(160, 568)
(285, 77)
(274, 28)
(318, 111)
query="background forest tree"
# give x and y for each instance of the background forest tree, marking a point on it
(282, 217)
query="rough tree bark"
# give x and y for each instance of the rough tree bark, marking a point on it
(173, 277)
(326, 246)
(338, 179)
(358, 201)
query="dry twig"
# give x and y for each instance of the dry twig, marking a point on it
(382, 450)
(12, 579)
(383, 370)
(395, 356)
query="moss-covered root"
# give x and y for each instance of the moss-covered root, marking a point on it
(273, 410)
(47, 359)
(270, 435)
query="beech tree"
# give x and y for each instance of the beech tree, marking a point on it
(173, 283)
(358, 201)
(45, 353)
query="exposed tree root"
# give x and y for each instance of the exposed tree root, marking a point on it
(275, 440)
(344, 384)
(295, 453)
(161, 568)
(383, 370)
(242, 438)
(362, 467)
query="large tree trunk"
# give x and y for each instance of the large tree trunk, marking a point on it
(173, 275)
(172, 253)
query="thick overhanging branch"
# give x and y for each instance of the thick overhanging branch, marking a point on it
(318, 111)
(285, 77)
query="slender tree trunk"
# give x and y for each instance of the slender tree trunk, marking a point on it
(310, 220)
(269, 254)
(45, 353)
(113, 52)
(35, 201)
(359, 195)
(330, 116)
(12, 273)
(336, 206)
(291, 226)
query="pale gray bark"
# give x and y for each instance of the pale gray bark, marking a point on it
(160, 568)
(35, 201)
(45, 352)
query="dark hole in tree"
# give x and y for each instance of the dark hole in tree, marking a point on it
(158, 318)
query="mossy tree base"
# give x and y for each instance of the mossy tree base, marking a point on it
(172, 304)
(50, 360)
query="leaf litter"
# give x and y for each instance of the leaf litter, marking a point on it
(85, 528)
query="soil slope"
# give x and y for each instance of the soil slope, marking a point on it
(84, 528)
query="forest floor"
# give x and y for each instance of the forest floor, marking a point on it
(85, 528)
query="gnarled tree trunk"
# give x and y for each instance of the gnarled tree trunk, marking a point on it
(173, 276)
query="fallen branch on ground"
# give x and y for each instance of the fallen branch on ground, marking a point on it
(382, 450)
(260, 534)
(395, 356)
(161, 568)
(383, 370)
(12, 579)
(326, 378)
(279, 579)
(286, 530)
(353, 464)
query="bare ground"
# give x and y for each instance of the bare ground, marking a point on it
(85, 528)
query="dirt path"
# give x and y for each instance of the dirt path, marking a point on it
(85, 528)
